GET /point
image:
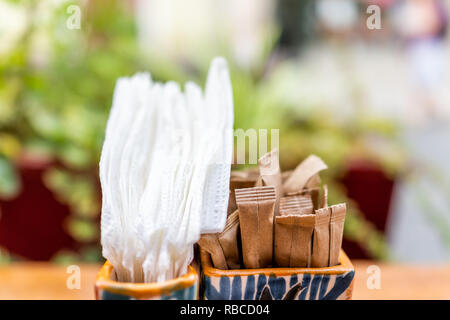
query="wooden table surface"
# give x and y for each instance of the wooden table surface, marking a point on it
(34, 280)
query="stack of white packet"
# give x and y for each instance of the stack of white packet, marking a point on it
(164, 171)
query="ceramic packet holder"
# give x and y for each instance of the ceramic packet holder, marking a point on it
(329, 283)
(182, 288)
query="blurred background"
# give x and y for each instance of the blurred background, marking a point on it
(373, 103)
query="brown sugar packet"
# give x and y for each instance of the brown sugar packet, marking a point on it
(285, 175)
(306, 207)
(269, 169)
(301, 205)
(304, 172)
(337, 219)
(298, 197)
(250, 197)
(223, 246)
(313, 192)
(229, 241)
(249, 193)
(324, 197)
(256, 214)
(302, 201)
(293, 211)
(239, 180)
(321, 239)
(256, 191)
(293, 234)
(313, 182)
(210, 243)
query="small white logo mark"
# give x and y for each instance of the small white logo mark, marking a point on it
(373, 22)
(374, 279)
(74, 20)
(74, 280)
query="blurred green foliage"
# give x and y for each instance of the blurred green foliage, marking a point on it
(57, 102)
(58, 105)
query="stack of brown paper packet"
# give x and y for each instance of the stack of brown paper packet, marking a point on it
(278, 219)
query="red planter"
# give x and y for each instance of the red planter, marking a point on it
(371, 189)
(31, 225)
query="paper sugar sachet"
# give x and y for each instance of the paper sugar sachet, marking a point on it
(224, 247)
(328, 233)
(293, 235)
(306, 170)
(324, 197)
(256, 213)
(302, 202)
(337, 219)
(285, 175)
(210, 243)
(229, 239)
(269, 169)
(314, 193)
(294, 231)
(240, 180)
(313, 182)
(321, 239)
(164, 171)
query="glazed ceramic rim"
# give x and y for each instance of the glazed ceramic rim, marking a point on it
(344, 266)
(142, 290)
